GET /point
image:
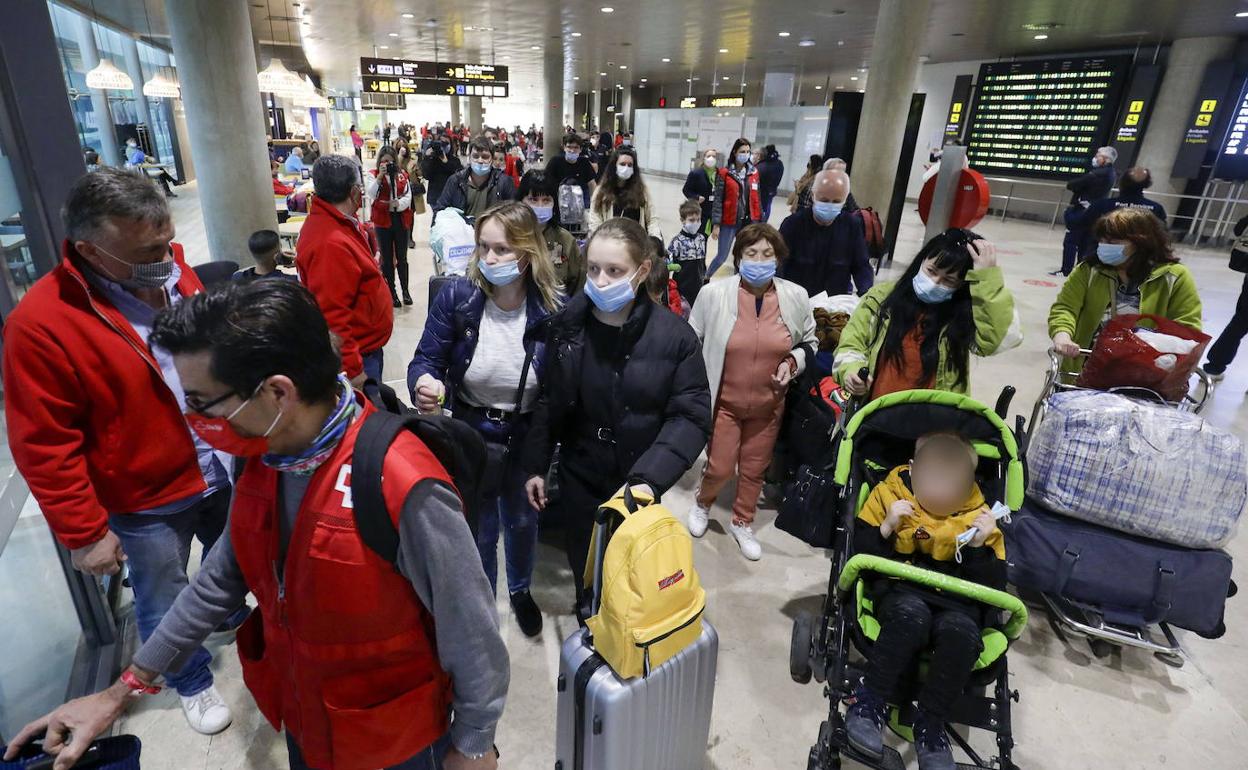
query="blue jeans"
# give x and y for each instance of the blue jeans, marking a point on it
(427, 759)
(373, 364)
(157, 548)
(767, 199)
(510, 511)
(724, 248)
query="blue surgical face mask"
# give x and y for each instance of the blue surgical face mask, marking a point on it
(481, 169)
(1112, 254)
(742, 157)
(929, 291)
(826, 211)
(543, 213)
(757, 273)
(500, 274)
(614, 295)
(626, 142)
(571, 157)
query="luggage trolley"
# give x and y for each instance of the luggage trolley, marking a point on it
(1067, 617)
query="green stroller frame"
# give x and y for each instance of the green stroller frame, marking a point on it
(877, 438)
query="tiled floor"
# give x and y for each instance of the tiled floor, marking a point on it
(1129, 711)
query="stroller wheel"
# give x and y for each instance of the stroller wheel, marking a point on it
(1101, 648)
(799, 648)
(1170, 659)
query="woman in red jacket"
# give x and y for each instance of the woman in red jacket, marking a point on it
(737, 202)
(391, 197)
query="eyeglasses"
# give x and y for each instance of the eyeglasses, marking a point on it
(198, 408)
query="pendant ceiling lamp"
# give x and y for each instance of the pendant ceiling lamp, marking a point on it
(106, 76)
(275, 78)
(158, 86)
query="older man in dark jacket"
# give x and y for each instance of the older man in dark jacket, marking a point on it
(478, 187)
(827, 244)
(1084, 191)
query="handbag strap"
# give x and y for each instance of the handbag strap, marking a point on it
(1065, 568)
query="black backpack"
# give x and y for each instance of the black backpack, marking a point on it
(459, 448)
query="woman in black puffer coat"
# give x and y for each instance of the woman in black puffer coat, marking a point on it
(625, 391)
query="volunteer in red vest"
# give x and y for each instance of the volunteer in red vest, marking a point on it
(95, 417)
(736, 201)
(366, 663)
(335, 261)
(390, 192)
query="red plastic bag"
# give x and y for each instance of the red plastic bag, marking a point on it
(1121, 359)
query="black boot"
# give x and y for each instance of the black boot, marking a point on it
(407, 295)
(528, 614)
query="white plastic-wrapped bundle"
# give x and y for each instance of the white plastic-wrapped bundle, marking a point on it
(452, 240)
(1144, 469)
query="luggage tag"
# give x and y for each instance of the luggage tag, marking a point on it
(999, 511)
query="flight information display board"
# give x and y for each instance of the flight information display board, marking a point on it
(1045, 117)
(1232, 162)
(407, 76)
(1133, 119)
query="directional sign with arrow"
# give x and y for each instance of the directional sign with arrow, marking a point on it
(404, 76)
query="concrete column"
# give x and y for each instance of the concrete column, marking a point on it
(474, 115)
(99, 99)
(130, 49)
(595, 110)
(455, 116)
(552, 113)
(890, 86)
(216, 65)
(1185, 68)
(626, 109)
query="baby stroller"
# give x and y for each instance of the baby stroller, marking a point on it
(1101, 625)
(878, 438)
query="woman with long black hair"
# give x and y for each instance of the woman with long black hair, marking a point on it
(622, 194)
(920, 332)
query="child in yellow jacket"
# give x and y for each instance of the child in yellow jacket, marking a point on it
(916, 515)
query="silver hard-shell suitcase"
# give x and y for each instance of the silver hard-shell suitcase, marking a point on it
(657, 722)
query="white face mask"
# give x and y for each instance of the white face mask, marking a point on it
(709, 161)
(622, 171)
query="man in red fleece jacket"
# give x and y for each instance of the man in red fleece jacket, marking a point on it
(336, 263)
(95, 414)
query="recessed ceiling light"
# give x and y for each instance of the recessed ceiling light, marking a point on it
(576, 93)
(806, 42)
(853, 77)
(576, 77)
(1242, 15)
(383, 47)
(665, 59)
(783, 34)
(818, 88)
(644, 80)
(695, 77)
(409, 15)
(623, 66)
(602, 74)
(743, 85)
(862, 69)
(688, 80)
(394, 34)
(535, 48)
(576, 34)
(1039, 37)
(619, 86)
(1041, 26)
(725, 77)
(840, 42)
(508, 56)
(607, 9)
(723, 50)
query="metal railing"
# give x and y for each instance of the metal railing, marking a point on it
(1204, 224)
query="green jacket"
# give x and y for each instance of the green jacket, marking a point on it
(1080, 307)
(997, 328)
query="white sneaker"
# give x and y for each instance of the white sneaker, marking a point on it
(206, 711)
(699, 517)
(744, 535)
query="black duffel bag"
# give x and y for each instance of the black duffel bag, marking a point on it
(1130, 580)
(809, 507)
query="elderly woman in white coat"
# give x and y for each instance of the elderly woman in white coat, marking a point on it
(757, 333)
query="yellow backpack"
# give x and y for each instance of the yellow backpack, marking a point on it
(651, 598)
